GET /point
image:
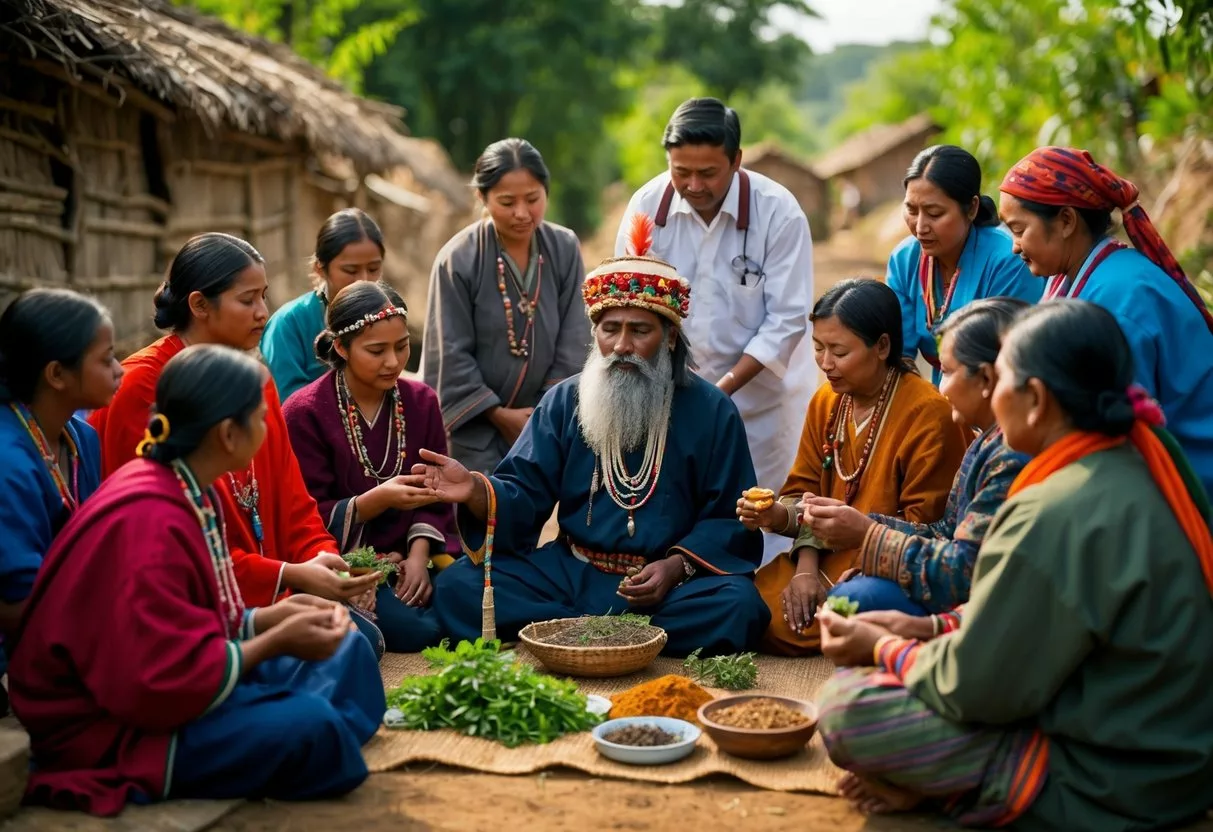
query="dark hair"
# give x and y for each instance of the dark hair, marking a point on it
(977, 330)
(507, 156)
(704, 121)
(957, 173)
(200, 387)
(869, 309)
(353, 225)
(681, 357)
(1097, 221)
(352, 304)
(1079, 352)
(42, 326)
(207, 263)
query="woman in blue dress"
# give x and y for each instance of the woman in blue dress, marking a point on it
(956, 252)
(1058, 203)
(349, 248)
(56, 357)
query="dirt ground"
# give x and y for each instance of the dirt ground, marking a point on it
(446, 799)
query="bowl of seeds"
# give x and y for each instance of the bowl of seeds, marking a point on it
(594, 646)
(645, 740)
(758, 726)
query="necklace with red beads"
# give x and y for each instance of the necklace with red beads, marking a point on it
(350, 420)
(526, 305)
(68, 492)
(842, 415)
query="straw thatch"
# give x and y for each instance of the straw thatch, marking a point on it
(127, 126)
(154, 50)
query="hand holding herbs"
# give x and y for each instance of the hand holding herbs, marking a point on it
(366, 561)
(482, 692)
(841, 605)
(736, 672)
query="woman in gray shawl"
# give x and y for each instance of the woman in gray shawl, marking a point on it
(505, 320)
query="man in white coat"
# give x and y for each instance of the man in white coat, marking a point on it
(743, 242)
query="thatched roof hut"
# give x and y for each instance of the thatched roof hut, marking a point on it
(799, 177)
(126, 126)
(875, 160)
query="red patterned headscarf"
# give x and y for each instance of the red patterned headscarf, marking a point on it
(1061, 176)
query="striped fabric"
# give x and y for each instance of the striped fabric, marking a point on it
(1063, 176)
(874, 727)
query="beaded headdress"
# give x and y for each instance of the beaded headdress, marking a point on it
(373, 318)
(637, 280)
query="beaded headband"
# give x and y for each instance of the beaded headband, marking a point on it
(637, 280)
(373, 318)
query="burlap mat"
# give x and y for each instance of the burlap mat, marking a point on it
(809, 770)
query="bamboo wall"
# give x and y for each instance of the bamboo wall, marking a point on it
(97, 195)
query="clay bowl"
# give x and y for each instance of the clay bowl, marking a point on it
(756, 743)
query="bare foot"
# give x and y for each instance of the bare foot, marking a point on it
(875, 798)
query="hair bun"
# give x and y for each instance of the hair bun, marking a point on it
(1115, 408)
(323, 346)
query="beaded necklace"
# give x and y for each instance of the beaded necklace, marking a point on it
(842, 414)
(68, 493)
(526, 305)
(203, 504)
(248, 497)
(350, 416)
(626, 489)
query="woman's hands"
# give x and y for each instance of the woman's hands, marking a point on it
(319, 576)
(834, 522)
(848, 642)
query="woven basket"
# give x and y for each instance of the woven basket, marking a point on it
(14, 768)
(589, 662)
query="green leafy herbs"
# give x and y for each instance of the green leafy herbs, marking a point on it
(482, 692)
(842, 605)
(365, 560)
(736, 672)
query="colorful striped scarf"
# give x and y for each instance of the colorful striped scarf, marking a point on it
(1061, 176)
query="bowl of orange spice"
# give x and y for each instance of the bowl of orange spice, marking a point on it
(672, 696)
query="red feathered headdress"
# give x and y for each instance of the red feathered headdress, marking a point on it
(637, 280)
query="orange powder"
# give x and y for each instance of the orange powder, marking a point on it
(674, 696)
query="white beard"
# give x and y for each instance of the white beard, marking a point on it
(620, 409)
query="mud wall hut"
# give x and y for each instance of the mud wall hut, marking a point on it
(127, 126)
(798, 177)
(875, 160)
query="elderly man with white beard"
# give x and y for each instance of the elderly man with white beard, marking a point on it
(646, 461)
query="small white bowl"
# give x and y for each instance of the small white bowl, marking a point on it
(647, 755)
(596, 704)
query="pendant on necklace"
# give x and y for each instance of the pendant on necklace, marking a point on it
(631, 525)
(258, 531)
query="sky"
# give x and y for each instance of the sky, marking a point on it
(861, 21)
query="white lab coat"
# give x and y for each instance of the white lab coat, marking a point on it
(767, 319)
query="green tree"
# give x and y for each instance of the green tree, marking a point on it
(732, 45)
(317, 29)
(1009, 75)
(471, 72)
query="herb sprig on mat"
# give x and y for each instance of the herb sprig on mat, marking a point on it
(482, 692)
(736, 672)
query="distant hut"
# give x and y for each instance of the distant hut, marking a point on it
(875, 161)
(127, 126)
(798, 177)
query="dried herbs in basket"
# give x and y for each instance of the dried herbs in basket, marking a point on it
(483, 692)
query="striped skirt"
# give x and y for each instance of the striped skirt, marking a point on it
(872, 726)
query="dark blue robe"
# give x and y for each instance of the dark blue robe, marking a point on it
(693, 512)
(31, 511)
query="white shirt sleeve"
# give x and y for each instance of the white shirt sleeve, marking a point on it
(788, 293)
